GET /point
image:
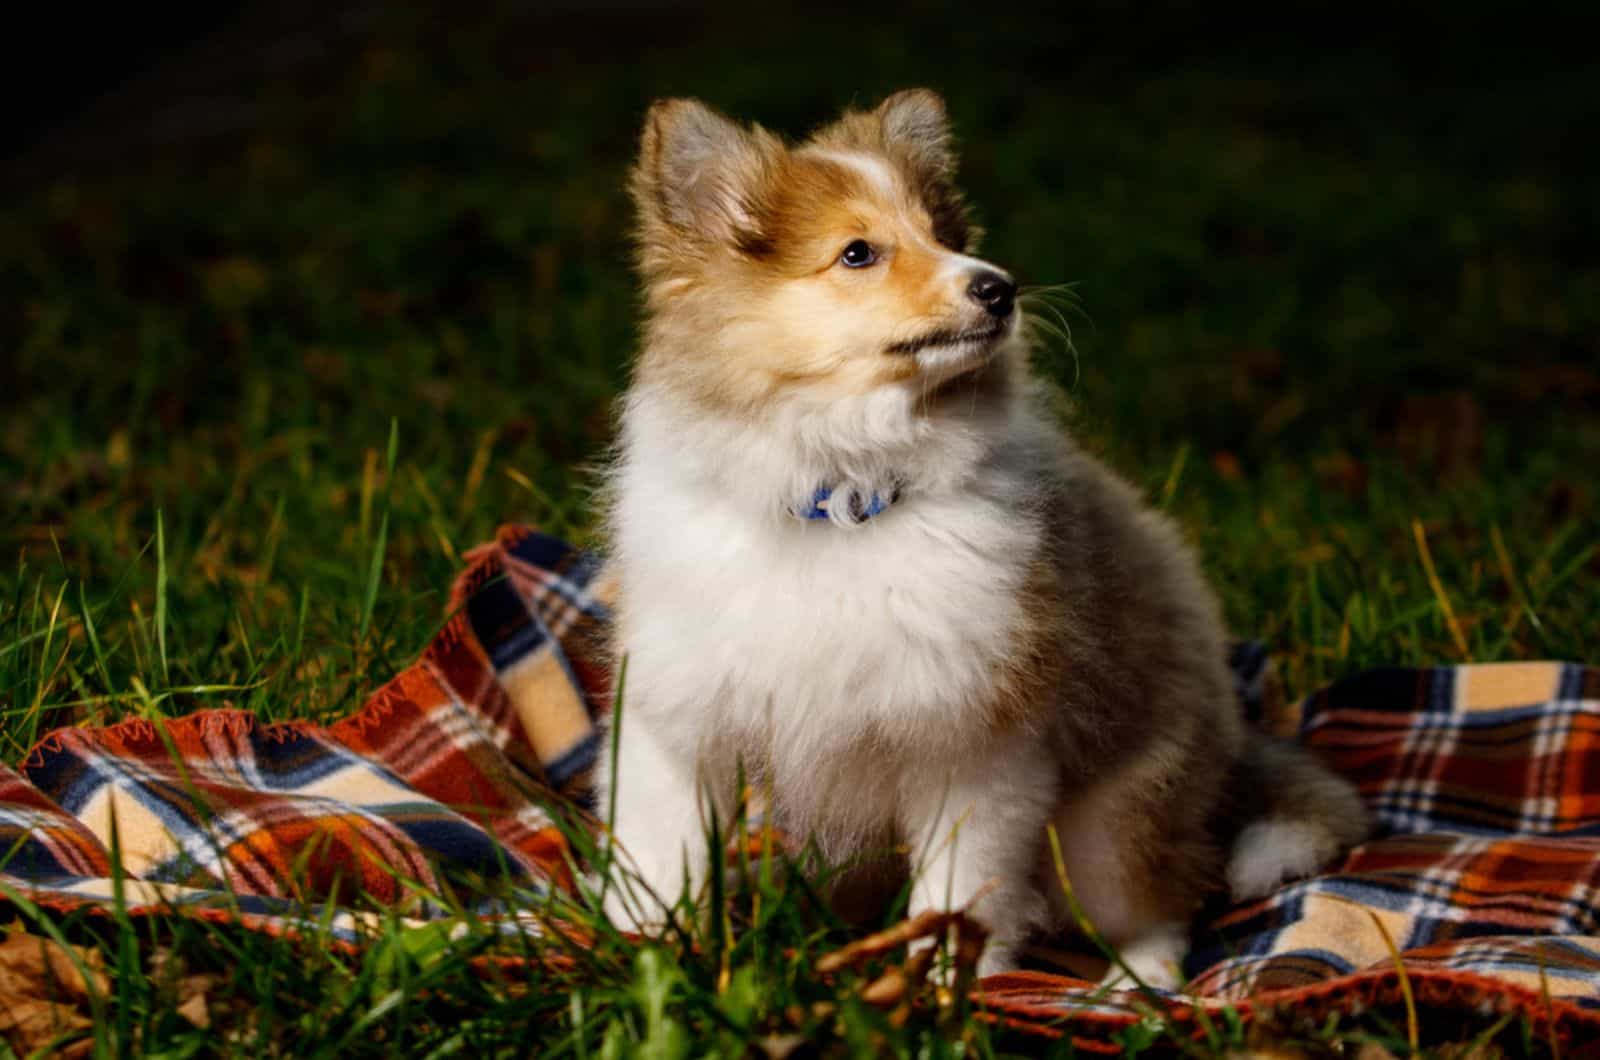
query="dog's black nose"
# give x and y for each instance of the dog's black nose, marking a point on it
(994, 291)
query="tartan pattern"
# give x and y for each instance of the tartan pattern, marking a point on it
(439, 776)
(1485, 780)
(1485, 870)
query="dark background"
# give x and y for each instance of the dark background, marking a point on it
(1452, 127)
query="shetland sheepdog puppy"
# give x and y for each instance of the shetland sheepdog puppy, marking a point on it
(863, 567)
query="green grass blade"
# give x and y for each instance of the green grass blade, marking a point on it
(369, 598)
(161, 596)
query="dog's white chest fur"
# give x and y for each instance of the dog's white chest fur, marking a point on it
(798, 643)
(826, 657)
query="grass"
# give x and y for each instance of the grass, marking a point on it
(264, 386)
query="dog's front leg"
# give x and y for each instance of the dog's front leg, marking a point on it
(975, 830)
(659, 846)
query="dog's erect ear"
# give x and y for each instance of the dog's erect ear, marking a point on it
(916, 127)
(699, 172)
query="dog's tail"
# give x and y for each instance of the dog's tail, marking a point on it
(1296, 816)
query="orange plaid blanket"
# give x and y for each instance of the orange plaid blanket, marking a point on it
(1485, 875)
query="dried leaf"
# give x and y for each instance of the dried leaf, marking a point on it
(194, 1006)
(37, 1021)
(35, 958)
(887, 989)
(43, 995)
(925, 925)
(189, 993)
(780, 1046)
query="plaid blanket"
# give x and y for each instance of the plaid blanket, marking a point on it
(449, 770)
(1485, 780)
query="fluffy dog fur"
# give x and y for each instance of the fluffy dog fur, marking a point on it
(1018, 641)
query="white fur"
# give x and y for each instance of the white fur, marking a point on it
(958, 267)
(950, 359)
(1155, 960)
(874, 169)
(852, 666)
(1273, 850)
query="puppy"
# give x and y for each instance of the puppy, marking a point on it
(861, 565)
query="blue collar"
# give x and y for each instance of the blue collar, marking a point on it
(820, 507)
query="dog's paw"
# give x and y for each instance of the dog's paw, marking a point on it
(1272, 852)
(945, 972)
(944, 968)
(997, 958)
(639, 914)
(1154, 960)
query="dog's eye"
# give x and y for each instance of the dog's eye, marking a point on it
(858, 255)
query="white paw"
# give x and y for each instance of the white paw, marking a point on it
(1273, 851)
(638, 911)
(1155, 960)
(996, 958)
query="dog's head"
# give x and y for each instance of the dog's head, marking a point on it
(840, 266)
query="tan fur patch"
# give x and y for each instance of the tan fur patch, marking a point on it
(763, 305)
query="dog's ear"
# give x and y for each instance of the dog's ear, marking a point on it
(916, 127)
(915, 130)
(699, 173)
